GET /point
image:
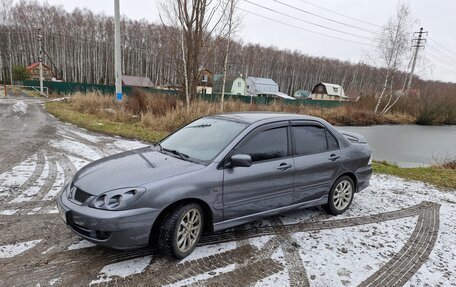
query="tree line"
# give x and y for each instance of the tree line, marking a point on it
(80, 45)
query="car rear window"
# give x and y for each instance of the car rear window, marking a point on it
(309, 140)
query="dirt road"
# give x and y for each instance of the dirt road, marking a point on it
(396, 233)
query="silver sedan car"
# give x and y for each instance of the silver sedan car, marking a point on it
(214, 173)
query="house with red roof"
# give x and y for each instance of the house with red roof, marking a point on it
(34, 70)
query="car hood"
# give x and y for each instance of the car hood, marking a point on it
(130, 169)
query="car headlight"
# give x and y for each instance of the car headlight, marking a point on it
(117, 199)
(370, 160)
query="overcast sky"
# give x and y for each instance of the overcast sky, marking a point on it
(437, 17)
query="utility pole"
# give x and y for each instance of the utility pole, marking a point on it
(418, 43)
(10, 58)
(40, 59)
(117, 55)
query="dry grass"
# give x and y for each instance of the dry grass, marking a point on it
(164, 113)
(445, 162)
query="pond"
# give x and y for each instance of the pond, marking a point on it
(409, 145)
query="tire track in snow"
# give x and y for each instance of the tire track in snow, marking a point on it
(39, 167)
(232, 234)
(398, 270)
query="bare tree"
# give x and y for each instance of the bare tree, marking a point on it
(197, 22)
(232, 23)
(5, 20)
(392, 46)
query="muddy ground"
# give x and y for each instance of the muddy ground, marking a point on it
(397, 232)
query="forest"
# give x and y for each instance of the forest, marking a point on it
(80, 44)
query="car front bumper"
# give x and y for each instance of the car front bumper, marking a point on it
(363, 176)
(124, 229)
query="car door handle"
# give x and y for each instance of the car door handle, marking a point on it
(334, 157)
(284, 166)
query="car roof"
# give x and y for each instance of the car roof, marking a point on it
(252, 117)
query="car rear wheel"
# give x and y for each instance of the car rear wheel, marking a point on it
(181, 231)
(341, 195)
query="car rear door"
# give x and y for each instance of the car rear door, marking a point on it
(316, 157)
(268, 183)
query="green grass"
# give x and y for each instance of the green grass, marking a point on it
(440, 177)
(100, 125)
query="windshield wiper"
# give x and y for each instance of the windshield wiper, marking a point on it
(159, 146)
(201, 126)
(178, 153)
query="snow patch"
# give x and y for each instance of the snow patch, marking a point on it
(124, 145)
(347, 256)
(34, 211)
(81, 244)
(47, 250)
(20, 107)
(54, 210)
(28, 194)
(208, 250)
(75, 148)
(53, 281)
(203, 276)
(57, 185)
(279, 279)
(90, 138)
(8, 251)
(17, 176)
(259, 242)
(122, 269)
(77, 162)
(440, 268)
(8, 212)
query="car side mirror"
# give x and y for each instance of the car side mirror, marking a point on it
(244, 160)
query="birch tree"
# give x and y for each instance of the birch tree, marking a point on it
(392, 46)
(232, 23)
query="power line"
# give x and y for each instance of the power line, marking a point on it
(442, 60)
(340, 14)
(435, 50)
(305, 21)
(303, 29)
(442, 46)
(442, 67)
(323, 17)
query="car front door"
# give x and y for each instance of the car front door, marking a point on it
(266, 184)
(316, 156)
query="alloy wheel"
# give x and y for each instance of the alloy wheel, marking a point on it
(342, 195)
(189, 230)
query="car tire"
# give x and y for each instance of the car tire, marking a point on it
(340, 196)
(181, 230)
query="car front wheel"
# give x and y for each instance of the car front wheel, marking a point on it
(341, 195)
(181, 231)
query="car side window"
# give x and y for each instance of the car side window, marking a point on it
(266, 145)
(333, 144)
(309, 140)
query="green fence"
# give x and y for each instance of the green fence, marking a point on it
(269, 100)
(69, 88)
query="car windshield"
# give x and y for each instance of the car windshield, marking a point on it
(202, 139)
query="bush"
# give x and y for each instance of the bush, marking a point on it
(20, 73)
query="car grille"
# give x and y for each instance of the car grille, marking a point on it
(81, 196)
